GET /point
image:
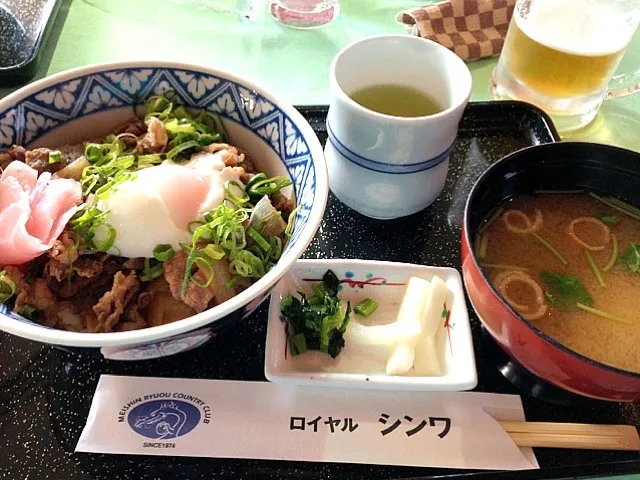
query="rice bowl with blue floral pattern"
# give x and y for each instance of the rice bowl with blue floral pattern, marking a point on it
(90, 102)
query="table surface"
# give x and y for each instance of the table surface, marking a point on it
(293, 64)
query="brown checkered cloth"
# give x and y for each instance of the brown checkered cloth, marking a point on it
(473, 29)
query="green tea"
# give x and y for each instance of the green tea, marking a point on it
(396, 100)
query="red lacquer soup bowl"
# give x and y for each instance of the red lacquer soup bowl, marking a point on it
(555, 166)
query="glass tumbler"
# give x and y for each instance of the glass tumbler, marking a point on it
(304, 14)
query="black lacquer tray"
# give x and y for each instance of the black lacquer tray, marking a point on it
(45, 393)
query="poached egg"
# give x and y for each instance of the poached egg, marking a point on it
(156, 206)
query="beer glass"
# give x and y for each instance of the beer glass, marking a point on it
(561, 56)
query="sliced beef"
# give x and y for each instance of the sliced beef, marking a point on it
(159, 307)
(85, 281)
(247, 162)
(282, 204)
(36, 295)
(16, 152)
(71, 319)
(134, 127)
(133, 264)
(71, 153)
(65, 249)
(83, 268)
(133, 318)
(232, 156)
(196, 297)
(156, 139)
(38, 158)
(111, 306)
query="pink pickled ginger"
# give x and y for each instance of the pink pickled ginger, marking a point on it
(33, 211)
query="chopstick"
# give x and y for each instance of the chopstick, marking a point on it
(573, 435)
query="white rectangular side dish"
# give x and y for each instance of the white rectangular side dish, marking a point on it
(359, 367)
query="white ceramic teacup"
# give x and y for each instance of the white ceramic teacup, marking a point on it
(385, 166)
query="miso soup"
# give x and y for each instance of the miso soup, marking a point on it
(570, 264)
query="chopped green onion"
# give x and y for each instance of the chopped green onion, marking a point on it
(258, 177)
(7, 287)
(108, 242)
(180, 112)
(297, 344)
(175, 151)
(114, 144)
(214, 252)
(267, 186)
(504, 266)
(158, 106)
(88, 183)
(602, 314)
(366, 307)
(290, 223)
(484, 243)
(555, 252)
(494, 216)
(246, 264)
(238, 200)
(614, 206)
(205, 266)
(163, 252)
(258, 252)
(149, 160)
(182, 127)
(124, 162)
(594, 268)
(54, 156)
(93, 152)
(192, 226)
(151, 270)
(86, 223)
(107, 167)
(87, 216)
(111, 186)
(614, 254)
(208, 138)
(174, 127)
(224, 228)
(233, 282)
(276, 248)
(31, 313)
(259, 239)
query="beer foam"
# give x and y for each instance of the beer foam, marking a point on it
(581, 27)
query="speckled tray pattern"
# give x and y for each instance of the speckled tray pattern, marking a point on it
(45, 393)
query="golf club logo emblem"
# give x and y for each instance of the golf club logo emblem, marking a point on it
(164, 419)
